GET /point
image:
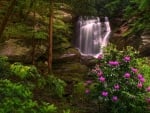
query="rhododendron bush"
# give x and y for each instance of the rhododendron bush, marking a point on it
(118, 83)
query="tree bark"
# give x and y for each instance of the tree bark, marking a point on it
(33, 37)
(50, 49)
(6, 17)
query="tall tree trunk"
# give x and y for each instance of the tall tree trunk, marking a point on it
(50, 53)
(6, 17)
(33, 37)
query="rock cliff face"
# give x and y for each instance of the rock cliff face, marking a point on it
(144, 47)
(20, 50)
(139, 42)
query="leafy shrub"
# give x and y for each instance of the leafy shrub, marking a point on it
(67, 111)
(54, 85)
(144, 67)
(62, 39)
(16, 98)
(4, 67)
(47, 108)
(24, 71)
(18, 30)
(119, 84)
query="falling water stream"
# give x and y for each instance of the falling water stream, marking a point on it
(92, 35)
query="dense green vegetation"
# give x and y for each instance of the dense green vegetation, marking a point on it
(119, 81)
(50, 82)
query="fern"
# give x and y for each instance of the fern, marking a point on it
(24, 71)
(144, 4)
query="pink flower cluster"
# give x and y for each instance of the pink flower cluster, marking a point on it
(140, 77)
(148, 99)
(148, 89)
(134, 70)
(105, 94)
(113, 63)
(114, 98)
(127, 58)
(116, 87)
(141, 80)
(129, 75)
(102, 79)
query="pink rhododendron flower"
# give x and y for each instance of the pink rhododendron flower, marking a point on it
(113, 63)
(134, 70)
(148, 100)
(148, 89)
(102, 79)
(100, 57)
(140, 76)
(114, 98)
(139, 85)
(99, 74)
(88, 82)
(142, 79)
(127, 58)
(105, 93)
(127, 75)
(94, 71)
(116, 86)
(87, 91)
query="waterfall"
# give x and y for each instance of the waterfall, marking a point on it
(92, 35)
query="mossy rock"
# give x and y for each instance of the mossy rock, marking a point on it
(71, 68)
(69, 55)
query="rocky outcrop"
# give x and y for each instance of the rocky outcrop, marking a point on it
(144, 47)
(20, 50)
(139, 42)
(70, 55)
(120, 40)
(64, 13)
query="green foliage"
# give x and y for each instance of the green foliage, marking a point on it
(24, 72)
(47, 108)
(4, 67)
(62, 34)
(41, 35)
(111, 8)
(67, 111)
(23, 30)
(118, 80)
(54, 85)
(83, 7)
(16, 98)
(142, 4)
(18, 30)
(139, 11)
(79, 89)
(143, 65)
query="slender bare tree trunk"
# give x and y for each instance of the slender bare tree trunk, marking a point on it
(6, 17)
(50, 49)
(33, 37)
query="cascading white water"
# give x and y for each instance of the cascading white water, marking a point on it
(92, 35)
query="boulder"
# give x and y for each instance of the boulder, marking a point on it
(139, 42)
(70, 55)
(20, 50)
